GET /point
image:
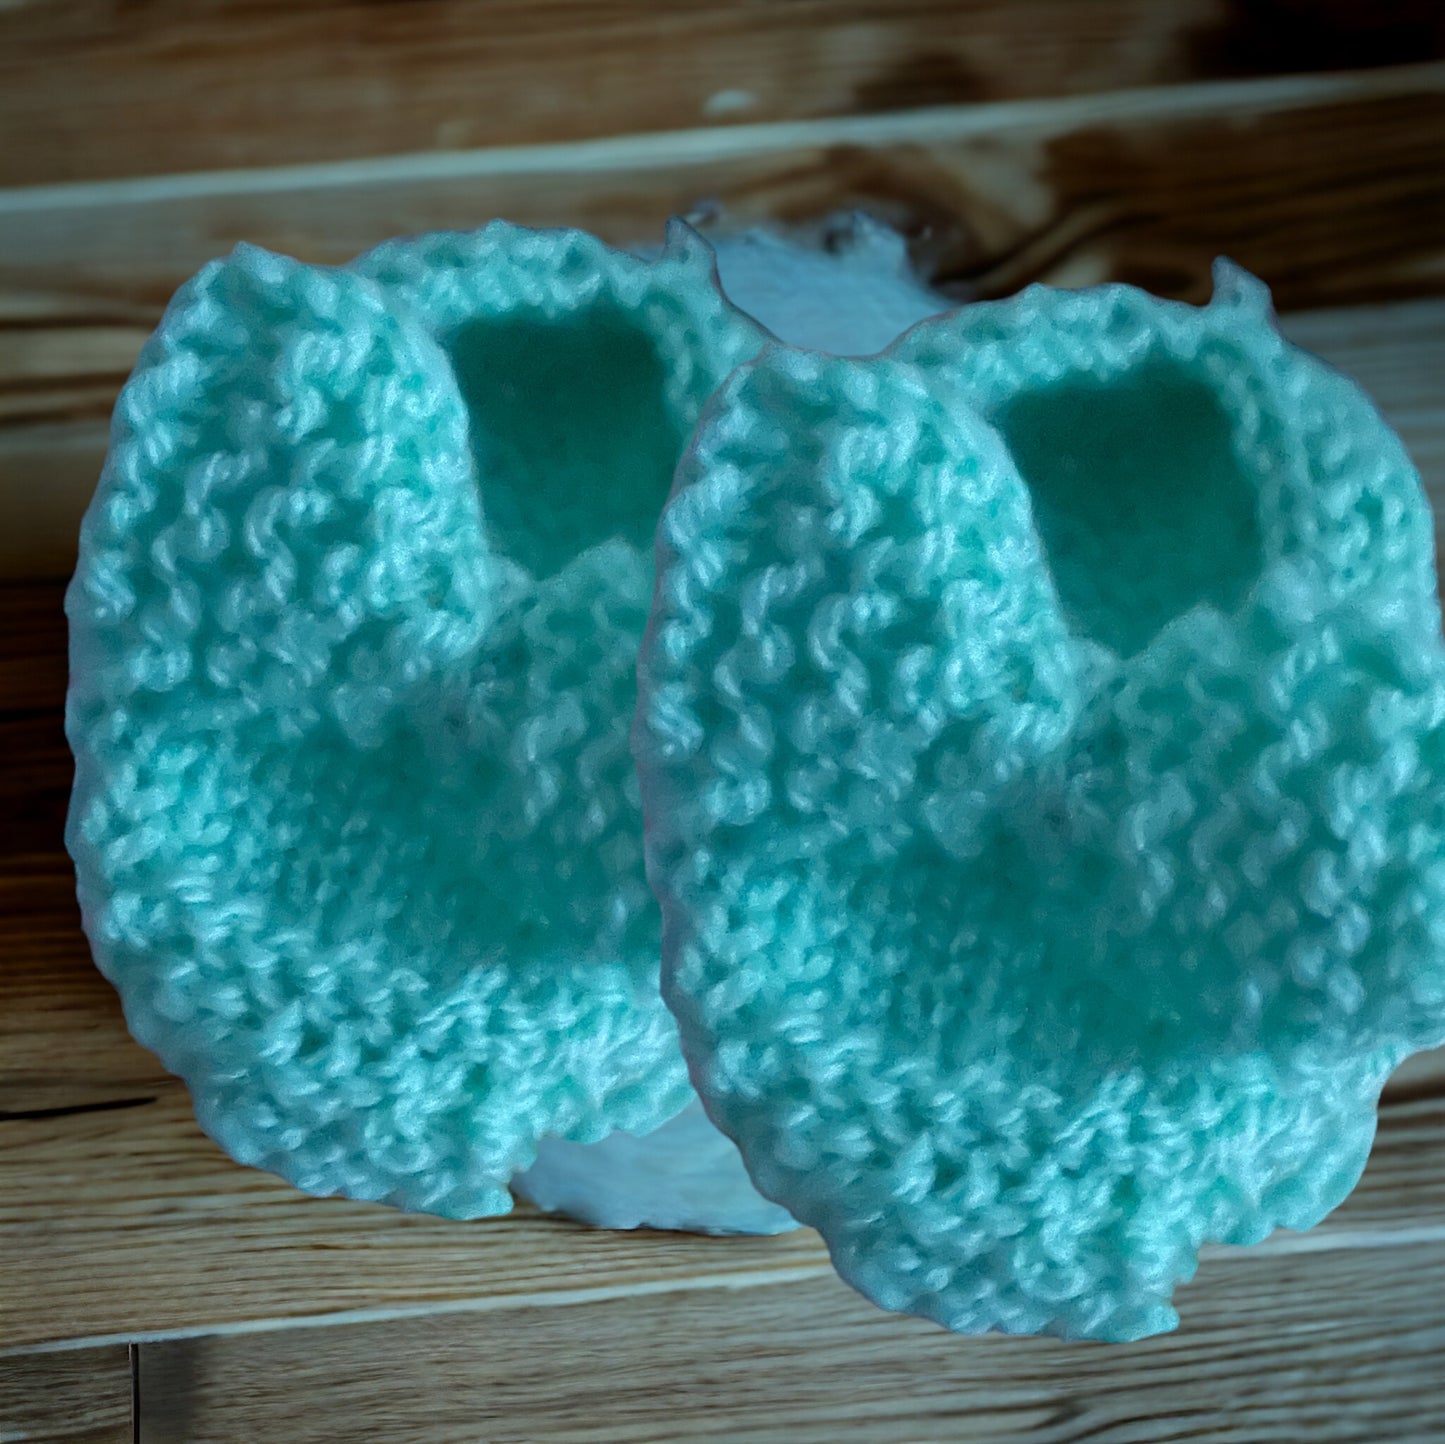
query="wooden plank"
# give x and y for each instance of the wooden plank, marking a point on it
(128, 1223)
(173, 85)
(35, 782)
(82, 1396)
(125, 1222)
(1146, 186)
(1340, 1348)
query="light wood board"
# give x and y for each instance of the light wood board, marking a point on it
(93, 88)
(81, 1396)
(1335, 1347)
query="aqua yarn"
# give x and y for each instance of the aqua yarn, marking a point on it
(1041, 731)
(355, 820)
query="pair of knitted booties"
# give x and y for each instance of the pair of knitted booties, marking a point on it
(1034, 749)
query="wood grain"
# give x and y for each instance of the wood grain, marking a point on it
(82, 1396)
(1344, 1347)
(128, 1223)
(99, 88)
(1326, 185)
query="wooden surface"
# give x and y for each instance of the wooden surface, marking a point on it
(1267, 1346)
(194, 85)
(1011, 140)
(81, 1396)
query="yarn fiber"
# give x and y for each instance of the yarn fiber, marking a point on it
(1041, 731)
(353, 634)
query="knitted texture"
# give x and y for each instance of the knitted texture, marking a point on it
(851, 295)
(354, 628)
(1041, 742)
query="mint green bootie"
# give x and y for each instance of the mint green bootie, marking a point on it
(353, 643)
(1042, 739)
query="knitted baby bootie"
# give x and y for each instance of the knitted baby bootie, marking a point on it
(353, 641)
(1041, 732)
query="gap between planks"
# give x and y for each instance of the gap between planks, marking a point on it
(1278, 1245)
(1411, 1125)
(1338, 1349)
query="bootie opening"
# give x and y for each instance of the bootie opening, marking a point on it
(1141, 499)
(572, 435)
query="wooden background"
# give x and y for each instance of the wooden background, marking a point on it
(1012, 140)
